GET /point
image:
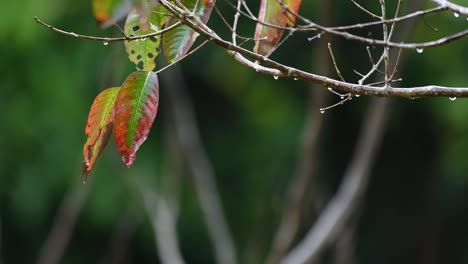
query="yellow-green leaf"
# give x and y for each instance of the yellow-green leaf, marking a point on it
(98, 127)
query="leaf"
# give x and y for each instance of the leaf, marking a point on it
(108, 12)
(98, 127)
(177, 42)
(271, 12)
(135, 109)
(143, 52)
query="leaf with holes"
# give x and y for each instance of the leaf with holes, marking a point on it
(135, 109)
(143, 52)
(273, 13)
(98, 127)
(108, 12)
(177, 42)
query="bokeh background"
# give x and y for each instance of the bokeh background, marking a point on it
(414, 210)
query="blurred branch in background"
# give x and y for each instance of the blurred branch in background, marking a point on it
(333, 218)
(302, 184)
(64, 222)
(188, 139)
(164, 221)
(119, 242)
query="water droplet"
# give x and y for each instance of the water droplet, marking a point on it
(295, 79)
(342, 97)
(276, 77)
(453, 98)
(319, 35)
(455, 14)
(322, 110)
(419, 50)
(357, 95)
(105, 43)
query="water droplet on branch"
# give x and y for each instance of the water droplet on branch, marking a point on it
(105, 43)
(419, 50)
(452, 98)
(455, 14)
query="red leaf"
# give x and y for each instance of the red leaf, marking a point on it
(135, 109)
(98, 127)
(271, 12)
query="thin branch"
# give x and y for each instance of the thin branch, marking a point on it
(454, 7)
(348, 196)
(182, 58)
(365, 10)
(106, 39)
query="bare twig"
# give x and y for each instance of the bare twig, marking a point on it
(452, 6)
(202, 171)
(106, 39)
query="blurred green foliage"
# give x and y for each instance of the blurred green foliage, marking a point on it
(415, 209)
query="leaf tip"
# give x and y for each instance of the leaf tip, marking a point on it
(85, 169)
(129, 159)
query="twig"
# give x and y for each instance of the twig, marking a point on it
(454, 7)
(332, 219)
(182, 58)
(106, 39)
(365, 10)
(189, 141)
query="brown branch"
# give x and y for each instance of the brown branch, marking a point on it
(188, 139)
(106, 39)
(277, 69)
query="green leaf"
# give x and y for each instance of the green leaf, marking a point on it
(108, 12)
(98, 127)
(135, 109)
(271, 12)
(177, 42)
(143, 52)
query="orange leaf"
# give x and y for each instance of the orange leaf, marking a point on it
(98, 127)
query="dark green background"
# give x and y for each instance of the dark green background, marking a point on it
(415, 210)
